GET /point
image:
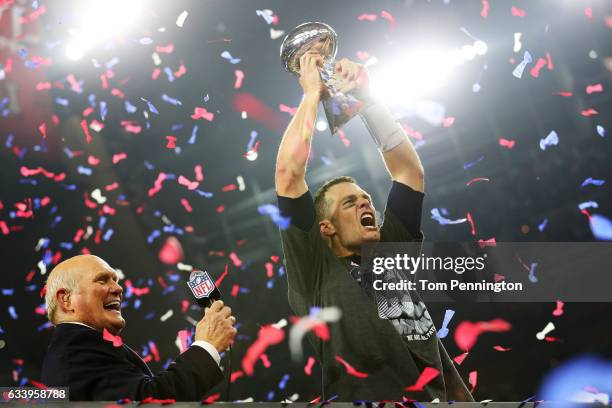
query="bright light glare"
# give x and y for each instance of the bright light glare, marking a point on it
(480, 47)
(99, 22)
(321, 125)
(414, 76)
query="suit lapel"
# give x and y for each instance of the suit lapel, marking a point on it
(135, 358)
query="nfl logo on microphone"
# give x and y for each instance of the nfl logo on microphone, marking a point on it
(200, 284)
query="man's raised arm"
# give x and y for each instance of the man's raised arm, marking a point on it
(398, 153)
(294, 148)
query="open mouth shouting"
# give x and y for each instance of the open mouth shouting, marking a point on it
(368, 221)
(113, 306)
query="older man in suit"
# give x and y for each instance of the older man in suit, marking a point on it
(83, 299)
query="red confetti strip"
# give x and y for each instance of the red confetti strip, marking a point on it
(469, 218)
(565, 94)
(201, 113)
(500, 348)
(551, 339)
(239, 77)
(154, 351)
(559, 309)
(198, 173)
(181, 71)
(287, 109)
(535, 71)
(43, 130)
(588, 12)
(448, 122)
(269, 269)
(484, 12)
(265, 361)
(118, 157)
(112, 186)
(165, 49)
(151, 400)
(223, 275)
(517, 12)
(186, 205)
(211, 399)
(118, 92)
(235, 290)
(474, 180)
(131, 127)
(74, 84)
(460, 358)
(27, 19)
(234, 258)
(86, 131)
(191, 185)
(344, 139)
(43, 86)
(350, 370)
(428, 374)
(473, 379)
(93, 161)
(236, 375)
(509, 144)
(466, 333)
(389, 17)
(589, 112)
(367, 17)
(266, 337)
(155, 74)
(171, 142)
(308, 366)
(171, 252)
(116, 340)
(487, 242)
(220, 209)
(157, 185)
(594, 88)
(4, 228)
(229, 187)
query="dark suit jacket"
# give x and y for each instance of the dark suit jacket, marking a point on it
(93, 369)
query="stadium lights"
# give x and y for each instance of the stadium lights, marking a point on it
(421, 72)
(98, 22)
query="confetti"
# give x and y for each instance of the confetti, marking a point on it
(436, 214)
(367, 17)
(428, 374)
(552, 139)
(601, 227)
(589, 112)
(267, 336)
(547, 329)
(518, 70)
(226, 55)
(558, 309)
(517, 12)
(601, 131)
(350, 370)
(201, 113)
(467, 333)
(484, 12)
(116, 340)
(593, 182)
(594, 88)
(448, 315)
(180, 20)
(239, 77)
(509, 144)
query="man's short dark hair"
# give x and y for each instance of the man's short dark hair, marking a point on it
(320, 202)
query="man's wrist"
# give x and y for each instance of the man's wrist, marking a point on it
(312, 96)
(209, 348)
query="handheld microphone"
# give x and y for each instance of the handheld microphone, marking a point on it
(203, 288)
(206, 292)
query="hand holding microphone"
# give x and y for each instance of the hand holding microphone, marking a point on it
(217, 326)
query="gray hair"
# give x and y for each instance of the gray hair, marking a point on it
(59, 279)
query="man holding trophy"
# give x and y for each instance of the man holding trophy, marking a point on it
(322, 246)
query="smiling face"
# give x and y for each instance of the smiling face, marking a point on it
(97, 301)
(350, 219)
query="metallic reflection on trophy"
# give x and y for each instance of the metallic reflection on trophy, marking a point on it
(339, 107)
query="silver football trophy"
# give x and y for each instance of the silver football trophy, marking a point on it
(339, 107)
